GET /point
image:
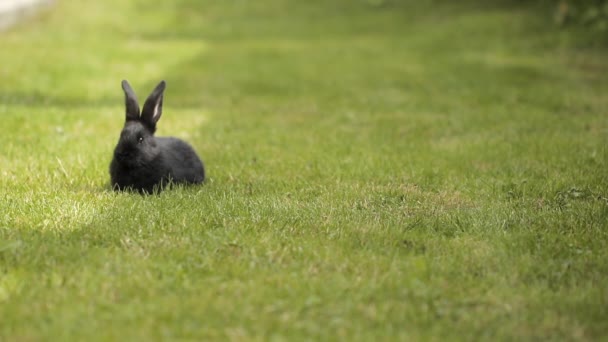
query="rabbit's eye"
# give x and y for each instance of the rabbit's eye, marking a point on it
(140, 140)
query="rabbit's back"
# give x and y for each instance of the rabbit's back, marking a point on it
(181, 159)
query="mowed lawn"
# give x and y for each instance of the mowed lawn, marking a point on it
(377, 170)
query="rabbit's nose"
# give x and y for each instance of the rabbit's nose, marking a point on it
(121, 155)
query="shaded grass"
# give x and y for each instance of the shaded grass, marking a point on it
(403, 171)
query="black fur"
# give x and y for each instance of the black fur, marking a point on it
(146, 163)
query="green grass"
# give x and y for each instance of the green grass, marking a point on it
(408, 170)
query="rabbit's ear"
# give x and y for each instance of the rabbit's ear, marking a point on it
(131, 105)
(153, 108)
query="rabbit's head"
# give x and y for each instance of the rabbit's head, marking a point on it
(137, 146)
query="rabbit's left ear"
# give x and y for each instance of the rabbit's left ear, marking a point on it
(153, 107)
(131, 105)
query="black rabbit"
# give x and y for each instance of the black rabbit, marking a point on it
(146, 163)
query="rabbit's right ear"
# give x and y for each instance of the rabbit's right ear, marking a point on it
(153, 107)
(131, 105)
